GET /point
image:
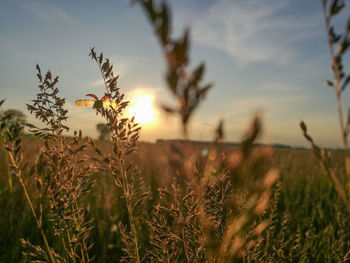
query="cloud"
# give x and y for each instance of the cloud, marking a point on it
(96, 83)
(251, 31)
(122, 65)
(125, 64)
(47, 11)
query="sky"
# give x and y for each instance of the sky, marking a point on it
(263, 56)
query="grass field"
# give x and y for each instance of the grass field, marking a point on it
(309, 223)
(80, 200)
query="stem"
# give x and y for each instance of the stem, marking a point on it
(336, 73)
(103, 75)
(71, 247)
(113, 118)
(335, 68)
(129, 208)
(168, 256)
(83, 247)
(19, 176)
(133, 229)
(185, 245)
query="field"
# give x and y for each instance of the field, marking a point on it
(115, 199)
(309, 223)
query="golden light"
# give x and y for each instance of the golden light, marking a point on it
(141, 106)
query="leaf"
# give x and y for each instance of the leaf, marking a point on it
(92, 53)
(328, 83)
(29, 125)
(346, 82)
(335, 37)
(168, 109)
(38, 69)
(219, 132)
(198, 74)
(109, 70)
(204, 91)
(100, 58)
(303, 126)
(309, 138)
(164, 29)
(48, 75)
(149, 8)
(343, 46)
(65, 127)
(335, 7)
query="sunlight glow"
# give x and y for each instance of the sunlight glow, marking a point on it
(141, 106)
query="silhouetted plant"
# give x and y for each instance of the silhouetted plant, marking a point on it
(205, 231)
(184, 84)
(124, 134)
(213, 210)
(338, 46)
(13, 145)
(61, 176)
(9, 122)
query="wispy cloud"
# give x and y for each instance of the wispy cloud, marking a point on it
(96, 83)
(123, 65)
(47, 11)
(251, 31)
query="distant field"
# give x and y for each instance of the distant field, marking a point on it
(308, 221)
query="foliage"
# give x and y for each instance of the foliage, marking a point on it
(184, 84)
(338, 45)
(96, 201)
(61, 177)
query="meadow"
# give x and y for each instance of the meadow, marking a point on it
(309, 223)
(76, 199)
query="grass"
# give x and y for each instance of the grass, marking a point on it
(80, 200)
(309, 222)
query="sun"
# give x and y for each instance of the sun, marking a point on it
(141, 106)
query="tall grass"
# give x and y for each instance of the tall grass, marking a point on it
(338, 46)
(91, 201)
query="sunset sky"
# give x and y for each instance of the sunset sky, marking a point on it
(266, 56)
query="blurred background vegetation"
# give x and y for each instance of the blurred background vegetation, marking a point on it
(309, 222)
